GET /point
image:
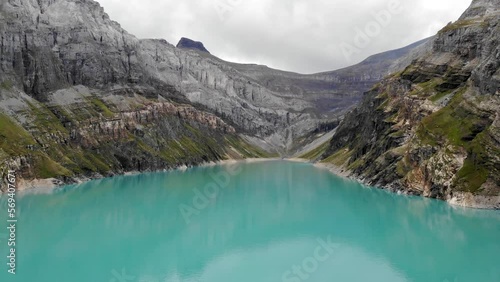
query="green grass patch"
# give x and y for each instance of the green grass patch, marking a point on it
(425, 89)
(63, 114)
(356, 164)
(480, 163)
(6, 84)
(191, 148)
(45, 120)
(247, 150)
(458, 24)
(471, 176)
(438, 96)
(101, 107)
(457, 125)
(80, 161)
(397, 134)
(452, 124)
(173, 153)
(317, 152)
(339, 158)
(184, 149)
(45, 167)
(382, 96)
(403, 167)
(98, 161)
(383, 106)
(13, 137)
(429, 89)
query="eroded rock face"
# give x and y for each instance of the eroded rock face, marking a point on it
(52, 45)
(81, 132)
(81, 96)
(433, 130)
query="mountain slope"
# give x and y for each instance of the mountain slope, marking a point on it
(79, 96)
(433, 129)
(332, 93)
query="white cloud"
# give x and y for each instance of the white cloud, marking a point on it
(296, 35)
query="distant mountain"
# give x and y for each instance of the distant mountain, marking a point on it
(434, 128)
(334, 92)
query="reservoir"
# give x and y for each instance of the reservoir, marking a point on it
(273, 221)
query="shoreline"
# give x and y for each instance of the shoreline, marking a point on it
(47, 185)
(459, 199)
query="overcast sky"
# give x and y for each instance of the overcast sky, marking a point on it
(304, 36)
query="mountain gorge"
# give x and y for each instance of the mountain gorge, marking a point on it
(433, 128)
(81, 97)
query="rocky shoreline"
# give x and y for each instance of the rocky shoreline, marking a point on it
(433, 130)
(459, 199)
(48, 184)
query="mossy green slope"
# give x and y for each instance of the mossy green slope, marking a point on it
(433, 129)
(93, 138)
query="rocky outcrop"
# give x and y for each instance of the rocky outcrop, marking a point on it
(433, 130)
(186, 43)
(77, 133)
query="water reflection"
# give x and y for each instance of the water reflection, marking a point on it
(264, 220)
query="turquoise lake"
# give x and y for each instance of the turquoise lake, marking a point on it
(273, 221)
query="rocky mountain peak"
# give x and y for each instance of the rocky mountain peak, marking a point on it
(186, 43)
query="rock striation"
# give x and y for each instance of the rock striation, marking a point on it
(433, 129)
(81, 97)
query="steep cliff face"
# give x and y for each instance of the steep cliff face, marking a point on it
(81, 132)
(79, 96)
(51, 45)
(433, 129)
(211, 82)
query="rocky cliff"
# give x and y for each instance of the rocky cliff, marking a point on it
(80, 97)
(51, 45)
(434, 128)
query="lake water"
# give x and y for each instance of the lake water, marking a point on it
(257, 222)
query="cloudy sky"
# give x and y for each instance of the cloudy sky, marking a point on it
(304, 36)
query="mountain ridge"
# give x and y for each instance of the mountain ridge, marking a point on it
(80, 96)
